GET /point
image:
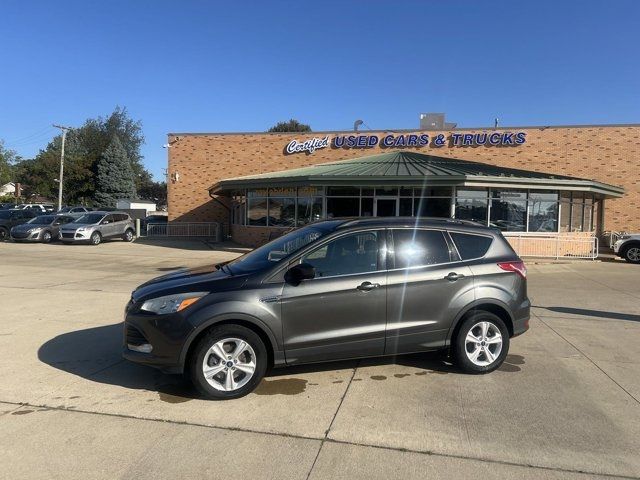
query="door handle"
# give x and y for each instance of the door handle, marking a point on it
(367, 286)
(453, 276)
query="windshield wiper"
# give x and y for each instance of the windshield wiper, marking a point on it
(221, 266)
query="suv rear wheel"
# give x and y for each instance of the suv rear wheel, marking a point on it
(228, 362)
(482, 343)
(632, 253)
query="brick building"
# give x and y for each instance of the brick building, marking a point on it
(525, 180)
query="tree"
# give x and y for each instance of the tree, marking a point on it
(115, 175)
(290, 126)
(83, 150)
(7, 159)
(154, 191)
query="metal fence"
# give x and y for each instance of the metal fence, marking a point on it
(179, 229)
(555, 247)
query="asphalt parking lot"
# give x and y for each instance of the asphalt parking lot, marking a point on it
(566, 404)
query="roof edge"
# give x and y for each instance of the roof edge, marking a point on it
(403, 130)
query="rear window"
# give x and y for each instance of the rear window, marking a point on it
(471, 246)
(416, 248)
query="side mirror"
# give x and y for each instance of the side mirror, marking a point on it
(104, 222)
(298, 273)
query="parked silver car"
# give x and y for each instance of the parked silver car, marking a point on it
(40, 229)
(93, 227)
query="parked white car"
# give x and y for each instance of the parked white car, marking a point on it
(628, 247)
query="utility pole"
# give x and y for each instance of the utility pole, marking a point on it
(64, 137)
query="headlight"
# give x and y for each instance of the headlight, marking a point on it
(34, 230)
(624, 237)
(81, 229)
(171, 303)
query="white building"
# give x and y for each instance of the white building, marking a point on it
(8, 189)
(129, 204)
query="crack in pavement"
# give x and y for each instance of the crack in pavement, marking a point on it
(325, 439)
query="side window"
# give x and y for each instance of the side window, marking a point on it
(348, 255)
(471, 246)
(107, 219)
(415, 248)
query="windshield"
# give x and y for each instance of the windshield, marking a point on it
(274, 251)
(90, 218)
(64, 210)
(42, 220)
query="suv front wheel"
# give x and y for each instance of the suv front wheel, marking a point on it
(229, 362)
(482, 343)
(632, 253)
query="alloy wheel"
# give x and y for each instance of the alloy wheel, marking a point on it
(633, 254)
(229, 364)
(483, 343)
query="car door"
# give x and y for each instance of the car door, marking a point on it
(107, 226)
(427, 286)
(341, 313)
(17, 218)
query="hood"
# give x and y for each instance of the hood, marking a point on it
(25, 227)
(206, 278)
(75, 226)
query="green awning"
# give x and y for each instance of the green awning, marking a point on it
(403, 168)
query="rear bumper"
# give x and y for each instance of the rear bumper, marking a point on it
(521, 318)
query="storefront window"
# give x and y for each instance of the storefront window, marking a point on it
(309, 210)
(406, 207)
(577, 212)
(432, 207)
(343, 207)
(509, 210)
(282, 212)
(565, 212)
(386, 191)
(257, 211)
(471, 204)
(432, 192)
(366, 207)
(343, 192)
(543, 212)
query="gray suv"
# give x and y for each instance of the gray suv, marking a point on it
(93, 227)
(334, 290)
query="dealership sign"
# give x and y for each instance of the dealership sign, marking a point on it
(491, 139)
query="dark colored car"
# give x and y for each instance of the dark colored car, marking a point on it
(11, 218)
(334, 290)
(153, 220)
(43, 228)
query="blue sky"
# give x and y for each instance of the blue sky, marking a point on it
(208, 66)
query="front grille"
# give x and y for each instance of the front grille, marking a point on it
(20, 234)
(134, 336)
(67, 235)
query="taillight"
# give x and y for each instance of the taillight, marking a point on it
(518, 267)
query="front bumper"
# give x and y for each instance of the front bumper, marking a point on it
(166, 334)
(75, 236)
(25, 236)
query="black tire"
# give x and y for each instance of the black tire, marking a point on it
(4, 234)
(128, 235)
(631, 253)
(461, 352)
(201, 350)
(95, 238)
(46, 236)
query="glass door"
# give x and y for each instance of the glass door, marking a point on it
(386, 207)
